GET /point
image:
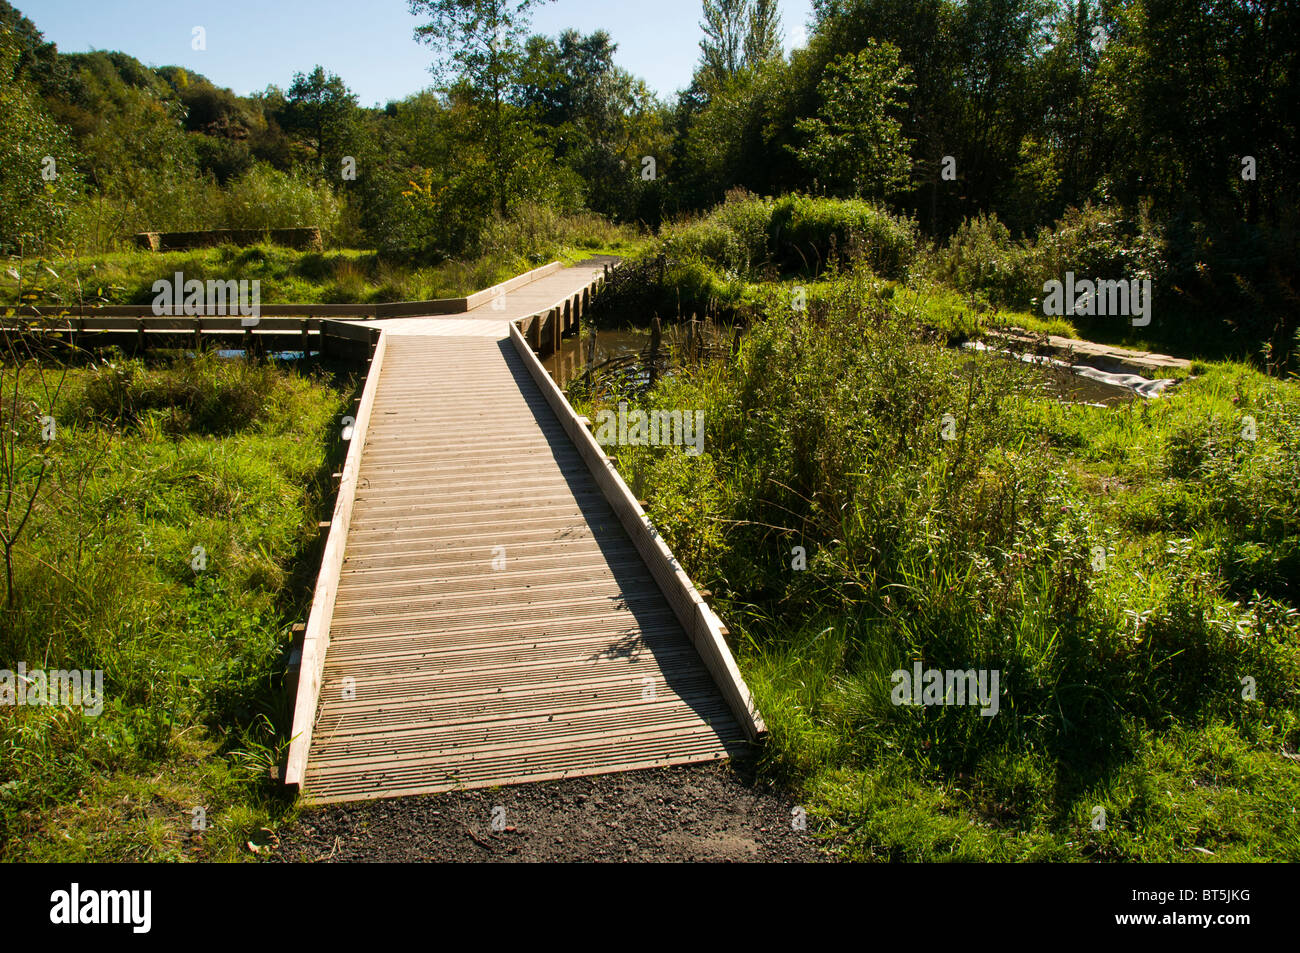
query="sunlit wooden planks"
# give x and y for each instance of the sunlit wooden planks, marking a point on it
(494, 623)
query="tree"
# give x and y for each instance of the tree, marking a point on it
(854, 144)
(568, 80)
(763, 41)
(722, 49)
(37, 169)
(483, 44)
(38, 61)
(320, 107)
(602, 120)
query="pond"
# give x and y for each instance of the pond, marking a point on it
(613, 348)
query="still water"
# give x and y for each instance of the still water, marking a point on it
(569, 362)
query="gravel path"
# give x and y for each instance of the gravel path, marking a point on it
(707, 813)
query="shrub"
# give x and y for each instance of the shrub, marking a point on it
(800, 235)
(983, 258)
(265, 197)
(807, 235)
(823, 432)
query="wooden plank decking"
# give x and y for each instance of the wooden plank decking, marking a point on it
(493, 621)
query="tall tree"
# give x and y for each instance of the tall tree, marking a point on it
(722, 50)
(763, 41)
(855, 143)
(602, 120)
(37, 178)
(483, 45)
(320, 107)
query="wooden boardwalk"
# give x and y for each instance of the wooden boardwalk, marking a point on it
(493, 621)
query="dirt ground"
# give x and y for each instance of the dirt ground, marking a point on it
(706, 813)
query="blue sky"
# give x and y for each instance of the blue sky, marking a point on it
(254, 43)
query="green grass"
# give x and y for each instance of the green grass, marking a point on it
(346, 276)
(148, 464)
(1121, 673)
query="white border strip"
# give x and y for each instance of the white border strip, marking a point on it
(317, 639)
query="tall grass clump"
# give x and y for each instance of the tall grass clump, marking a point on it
(266, 198)
(171, 546)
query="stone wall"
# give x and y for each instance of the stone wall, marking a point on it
(303, 239)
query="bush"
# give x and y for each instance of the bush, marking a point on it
(536, 234)
(823, 432)
(796, 235)
(712, 242)
(1093, 242)
(268, 198)
(981, 258)
(808, 235)
(33, 208)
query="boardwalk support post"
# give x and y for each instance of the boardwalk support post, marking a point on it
(535, 331)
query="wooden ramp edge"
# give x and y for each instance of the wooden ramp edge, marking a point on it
(702, 626)
(316, 641)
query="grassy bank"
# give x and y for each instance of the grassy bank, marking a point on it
(172, 545)
(751, 256)
(1130, 573)
(332, 277)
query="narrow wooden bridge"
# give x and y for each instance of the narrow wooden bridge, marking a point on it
(493, 605)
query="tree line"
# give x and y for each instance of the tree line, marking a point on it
(1178, 115)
